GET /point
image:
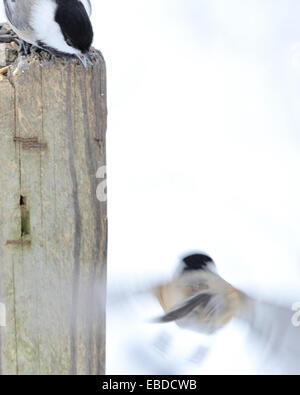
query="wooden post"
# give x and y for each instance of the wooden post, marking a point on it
(53, 229)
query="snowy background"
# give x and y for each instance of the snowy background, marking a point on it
(203, 153)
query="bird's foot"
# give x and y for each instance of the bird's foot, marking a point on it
(24, 47)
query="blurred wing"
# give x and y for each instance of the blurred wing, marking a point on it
(274, 328)
(203, 300)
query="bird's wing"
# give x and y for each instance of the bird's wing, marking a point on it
(202, 299)
(277, 333)
(18, 14)
(88, 6)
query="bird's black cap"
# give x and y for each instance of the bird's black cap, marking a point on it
(196, 262)
(75, 24)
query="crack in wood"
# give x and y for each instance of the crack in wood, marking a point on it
(30, 140)
(19, 242)
(30, 143)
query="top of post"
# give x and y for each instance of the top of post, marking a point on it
(12, 62)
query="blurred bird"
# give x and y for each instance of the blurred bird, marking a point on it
(197, 298)
(61, 27)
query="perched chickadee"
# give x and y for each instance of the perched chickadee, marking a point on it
(197, 298)
(57, 26)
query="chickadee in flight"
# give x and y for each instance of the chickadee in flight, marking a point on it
(57, 26)
(197, 298)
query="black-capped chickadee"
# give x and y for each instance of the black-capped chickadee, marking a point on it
(197, 298)
(61, 27)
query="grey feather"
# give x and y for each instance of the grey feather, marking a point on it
(18, 16)
(186, 307)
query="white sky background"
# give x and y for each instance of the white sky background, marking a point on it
(203, 153)
(203, 141)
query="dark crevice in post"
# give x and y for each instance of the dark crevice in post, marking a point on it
(25, 217)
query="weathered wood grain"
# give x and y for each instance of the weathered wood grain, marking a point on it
(53, 230)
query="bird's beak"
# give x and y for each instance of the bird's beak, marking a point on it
(84, 58)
